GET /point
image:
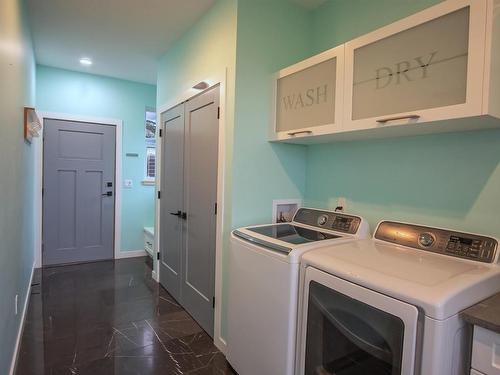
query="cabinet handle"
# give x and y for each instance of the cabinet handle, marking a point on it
(300, 132)
(387, 119)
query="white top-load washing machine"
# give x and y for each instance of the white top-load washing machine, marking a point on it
(391, 305)
(263, 286)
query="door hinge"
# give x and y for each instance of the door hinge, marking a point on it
(218, 112)
(43, 192)
(215, 208)
(161, 133)
(158, 255)
(213, 302)
(159, 194)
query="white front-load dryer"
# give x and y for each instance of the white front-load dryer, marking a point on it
(263, 286)
(391, 305)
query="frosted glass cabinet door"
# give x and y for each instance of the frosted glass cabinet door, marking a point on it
(308, 96)
(415, 70)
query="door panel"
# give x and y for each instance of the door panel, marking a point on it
(339, 340)
(78, 220)
(92, 208)
(201, 156)
(66, 206)
(189, 187)
(349, 329)
(419, 68)
(172, 187)
(319, 97)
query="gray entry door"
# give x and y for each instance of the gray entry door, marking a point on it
(172, 187)
(78, 192)
(188, 204)
(200, 170)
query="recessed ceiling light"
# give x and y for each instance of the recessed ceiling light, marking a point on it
(85, 61)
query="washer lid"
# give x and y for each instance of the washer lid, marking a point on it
(292, 234)
(442, 286)
(288, 242)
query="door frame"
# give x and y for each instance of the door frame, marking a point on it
(218, 78)
(38, 178)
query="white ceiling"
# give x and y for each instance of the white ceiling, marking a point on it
(124, 38)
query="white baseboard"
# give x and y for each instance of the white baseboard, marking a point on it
(221, 344)
(154, 276)
(131, 254)
(13, 364)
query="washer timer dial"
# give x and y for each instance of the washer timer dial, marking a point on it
(322, 220)
(426, 239)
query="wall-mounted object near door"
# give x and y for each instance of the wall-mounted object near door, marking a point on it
(32, 124)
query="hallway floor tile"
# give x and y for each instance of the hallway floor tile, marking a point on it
(111, 318)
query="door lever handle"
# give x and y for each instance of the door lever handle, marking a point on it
(178, 213)
(108, 194)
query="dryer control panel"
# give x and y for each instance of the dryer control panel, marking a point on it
(447, 242)
(328, 220)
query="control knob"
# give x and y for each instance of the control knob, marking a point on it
(322, 220)
(426, 239)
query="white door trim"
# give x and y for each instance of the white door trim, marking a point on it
(218, 78)
(38, 178)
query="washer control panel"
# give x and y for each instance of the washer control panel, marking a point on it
(447, 242)
(328, 220)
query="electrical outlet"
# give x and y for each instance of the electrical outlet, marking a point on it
(341, 202)
(16, 299)
(127, 184)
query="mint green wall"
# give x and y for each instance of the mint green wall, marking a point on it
(338, 21)
(206, 49)
(449, 180)
(271, 35)
(76, 93)
(17, 77)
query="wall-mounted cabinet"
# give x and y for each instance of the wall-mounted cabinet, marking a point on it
(417, 74)
(308, 97)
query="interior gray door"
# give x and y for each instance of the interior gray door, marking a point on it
(172, 187)
(78, 192)
(200, 176)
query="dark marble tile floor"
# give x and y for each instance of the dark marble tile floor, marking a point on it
(111, 318)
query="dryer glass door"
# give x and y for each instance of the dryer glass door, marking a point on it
(353, 334)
